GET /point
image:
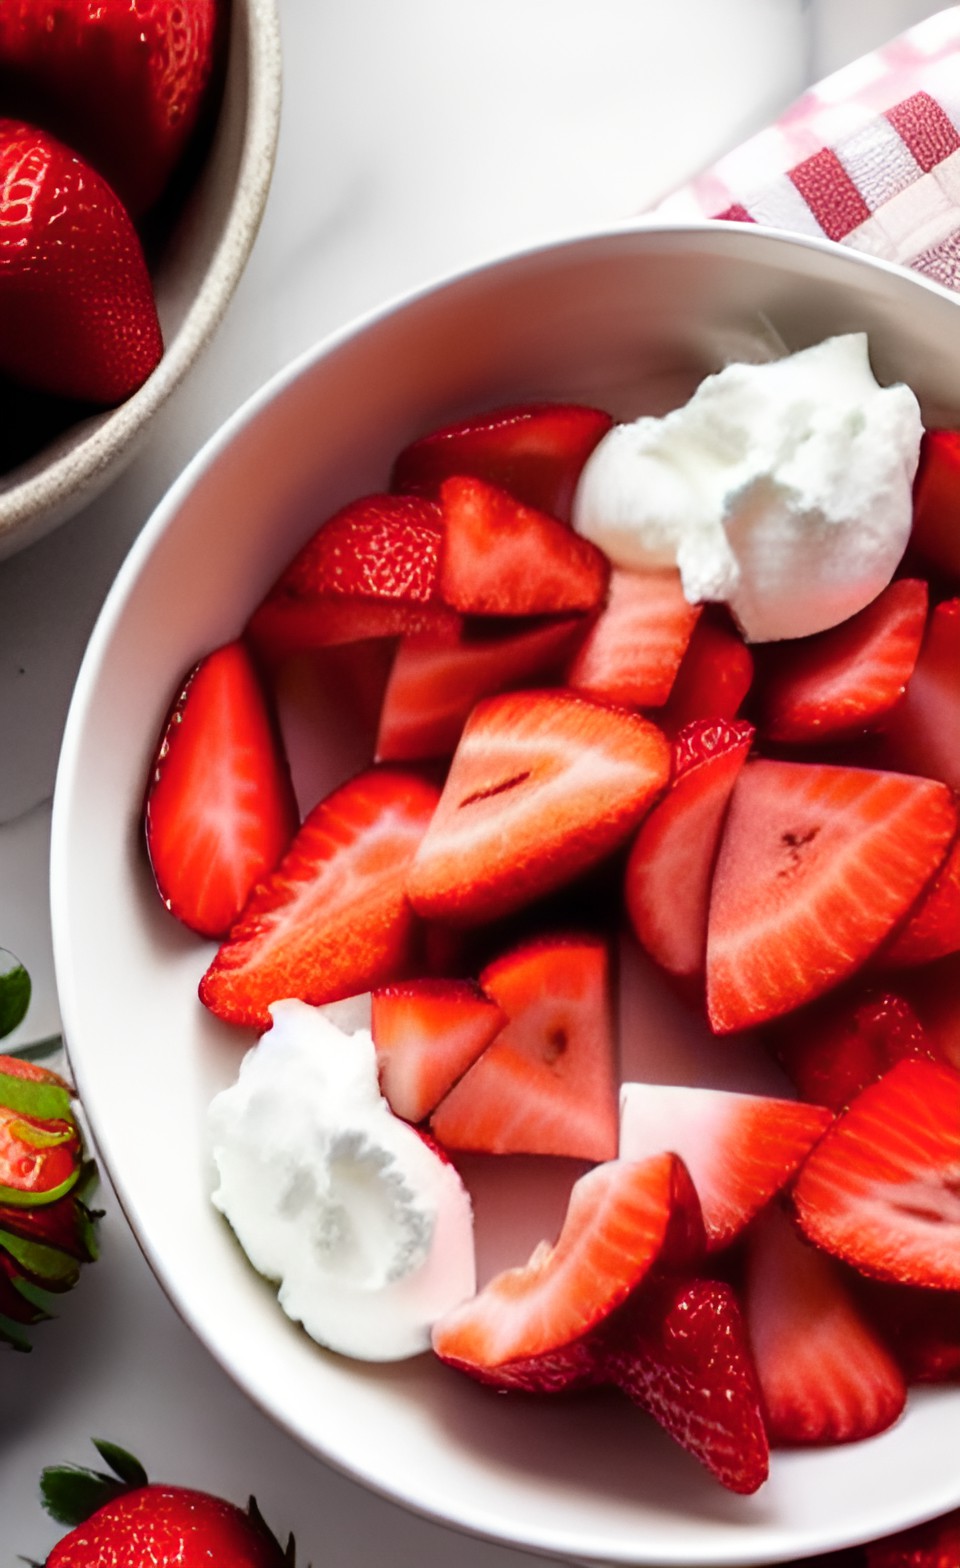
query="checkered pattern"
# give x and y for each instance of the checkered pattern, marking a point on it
(870, 158)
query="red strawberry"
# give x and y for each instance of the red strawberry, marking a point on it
(122, 81)
(220, 807)
(740, 1149)
(935, 1544)
(816, 866)
(534, 1328)
(849, 677)
(427, 1033)
(436, 680)
(933, 928)
(834, 1048)
(40, 1142)
(933, 990)
(922, 733)
(77, 316)
(534, 450)
(499, 557)
(547, 1084)
(879, 1190)
(681, 1353)
(542, 785)
(369, 571)
(936, 501)
(332, 919)
(131, 1520)
(714, 677)
(633, 651)
(921, 1327)
(824, 1374)
(669, 872)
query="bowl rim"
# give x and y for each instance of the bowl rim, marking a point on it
(736, 1553)
(76, 471)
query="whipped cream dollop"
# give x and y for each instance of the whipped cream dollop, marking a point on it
(366, 1228)
(782, 490)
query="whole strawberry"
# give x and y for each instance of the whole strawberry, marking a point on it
(123, 82)
(77, 314)
(123, 1518)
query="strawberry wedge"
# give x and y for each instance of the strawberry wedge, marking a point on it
(881, 1190)
(922, 733)
(740, 1149)
(933, 928)
(714, 677)
(333, 919)
(534, 1328)
(542, 785)
(817, 864)
(633, 651)
(833, 1049)
(936, 501)
(427, 1033)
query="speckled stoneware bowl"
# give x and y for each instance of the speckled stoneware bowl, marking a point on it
(199, 270)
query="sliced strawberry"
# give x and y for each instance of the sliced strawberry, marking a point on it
(670, 868)
(922, 733)
(632, 652)
(436, 680)
(834, 1048)
(534, 1328)
(427, 1033)
(681, 1353)
(332, 920)
(921, 1327)
(880, 1189)
(220, 807)
(824, 1374)
(548, 1083)
(936, 501)
(534, 450)
(847, 678)
(542, 785)
(933, 990)
(369, 571)
(714, 677)
(740, 1149)
(816, 866)
(499, 557)
(933, 928)
(935, 1544)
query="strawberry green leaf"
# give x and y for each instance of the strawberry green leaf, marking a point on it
(14, 992)
(70, 1494)
(125, 1466)
(46, 1266)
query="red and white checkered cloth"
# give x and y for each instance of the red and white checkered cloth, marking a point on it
(870, 158)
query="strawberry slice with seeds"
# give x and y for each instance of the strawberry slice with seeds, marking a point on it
(933, 991)
(936, 501)
(834, 1048)
(633, 651)
(332, 920)
(933, 928)
(849, 677)
(676, 847)
(499, 557)
(542, 785)
(881, 1190)
(427, 1033)
(680, 1352)
(714, 677)
(547, 1084)
(817, 864)
(824, 1374)
(740, 1149)
(369, 571)
(435, 681)
(922, 733)
(935, 1544)
(220, 807)
(534, 450)
(535, 1328)
(920, 1327)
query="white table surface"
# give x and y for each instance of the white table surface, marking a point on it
(416, 138)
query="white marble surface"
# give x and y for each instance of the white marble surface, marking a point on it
(416, 139)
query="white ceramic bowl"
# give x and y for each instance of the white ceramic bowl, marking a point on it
(630, 319)
(194, 280)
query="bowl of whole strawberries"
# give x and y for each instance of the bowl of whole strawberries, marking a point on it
(508, 817)
(136, 148)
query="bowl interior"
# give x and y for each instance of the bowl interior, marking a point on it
(194, 279)
(631, 320)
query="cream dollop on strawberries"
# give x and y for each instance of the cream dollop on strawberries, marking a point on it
(783, 490)
(367, 1229)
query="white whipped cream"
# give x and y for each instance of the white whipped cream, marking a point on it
(368, 1231)
(782, 490)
